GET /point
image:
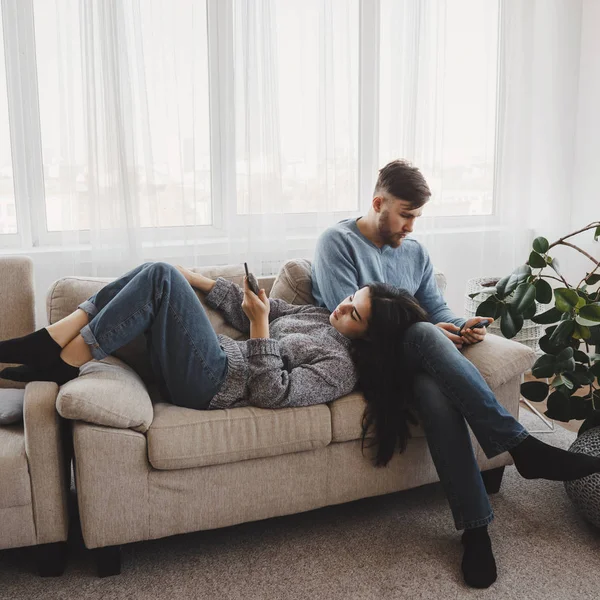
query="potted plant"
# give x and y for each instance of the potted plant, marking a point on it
(572, 321)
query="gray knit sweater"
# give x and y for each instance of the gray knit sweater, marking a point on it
(305, 361)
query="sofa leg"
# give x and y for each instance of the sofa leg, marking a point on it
(492, 479)
(51, 559)
(108, 560)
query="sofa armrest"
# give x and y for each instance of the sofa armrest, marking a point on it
(498, 359)
(49, 462)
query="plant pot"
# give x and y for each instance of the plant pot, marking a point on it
(585, 492)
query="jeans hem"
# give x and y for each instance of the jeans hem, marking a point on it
(477, 523)
(90, 308)
(90, 339)
(512, 443)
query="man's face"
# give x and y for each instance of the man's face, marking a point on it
(396, 219)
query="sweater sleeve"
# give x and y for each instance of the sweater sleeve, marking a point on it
(431, 299)
(227, 297)
(334, 273)
(270, 385)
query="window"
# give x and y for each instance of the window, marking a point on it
(139, 116)
(453, 135)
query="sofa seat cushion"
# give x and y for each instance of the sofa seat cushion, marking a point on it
(181, 438)
(15, 488)
(496, 358)
(346, 419)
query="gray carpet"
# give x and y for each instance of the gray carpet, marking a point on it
(402, 545)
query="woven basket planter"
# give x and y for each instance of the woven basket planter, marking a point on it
(530, 333)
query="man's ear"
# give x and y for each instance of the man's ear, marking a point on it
(377, 203)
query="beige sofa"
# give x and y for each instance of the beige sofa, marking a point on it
(34, 465)
(145, 469)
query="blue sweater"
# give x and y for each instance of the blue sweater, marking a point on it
(346, 260)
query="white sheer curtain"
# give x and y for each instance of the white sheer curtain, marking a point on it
(219, 131)
(202, 132)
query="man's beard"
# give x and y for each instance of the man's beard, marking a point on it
(385, 235)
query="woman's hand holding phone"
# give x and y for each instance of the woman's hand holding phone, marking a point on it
(257, 310)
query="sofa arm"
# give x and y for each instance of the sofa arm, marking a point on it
(49, 462)
(109, 393)
(498, 359)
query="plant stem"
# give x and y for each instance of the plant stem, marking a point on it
(582, 252)
(590, 226)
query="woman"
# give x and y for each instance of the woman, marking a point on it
(301, 355)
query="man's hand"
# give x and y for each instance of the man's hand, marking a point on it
(257, 310)
(451, 332)
(473, 336)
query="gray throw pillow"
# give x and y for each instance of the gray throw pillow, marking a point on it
(11, 406)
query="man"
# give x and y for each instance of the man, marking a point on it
(376, 248)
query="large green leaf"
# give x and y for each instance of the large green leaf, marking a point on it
(548, 348)
(550, 316)
(553, 262)
(489, 308)
(541, 245)
(511, 323)
(536, 391)
(566, 299)
(501, 287)
(529, 312)
(590, 312)
(592, 279)
(544, 366)
(581, 357)
(558, 407)
(543, 291)
(581, 332)
(516, 278)
(580, 408)
(536, 261)
(595, 370)
(562, 332)
(523, 298)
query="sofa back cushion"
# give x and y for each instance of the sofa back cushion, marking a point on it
(294, 282)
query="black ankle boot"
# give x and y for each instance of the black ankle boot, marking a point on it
(37, 350)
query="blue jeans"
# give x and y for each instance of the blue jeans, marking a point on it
(449, 392)
(155, 299)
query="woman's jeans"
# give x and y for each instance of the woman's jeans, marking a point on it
(448, 389)
(155, 299)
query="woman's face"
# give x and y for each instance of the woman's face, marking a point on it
(352, 314)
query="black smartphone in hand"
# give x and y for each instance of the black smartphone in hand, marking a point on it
(252, 283)
(476, 326)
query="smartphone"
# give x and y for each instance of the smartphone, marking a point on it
(476, 326)
(252, 283)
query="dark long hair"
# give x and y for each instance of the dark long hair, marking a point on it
(385, 382)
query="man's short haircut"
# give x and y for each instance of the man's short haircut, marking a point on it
(404, 182)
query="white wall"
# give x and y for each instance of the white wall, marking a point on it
(585, 206)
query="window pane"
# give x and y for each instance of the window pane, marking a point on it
(8, 218)
(124, 112)
(438, 98)
(296, 94)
